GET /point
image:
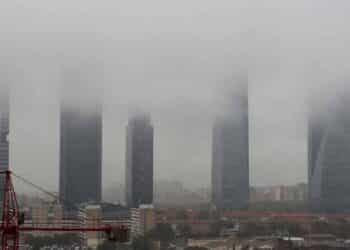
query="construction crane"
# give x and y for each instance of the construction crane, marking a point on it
(13, 222)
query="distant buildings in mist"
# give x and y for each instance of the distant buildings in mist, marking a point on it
(280, 193)
(166, 193)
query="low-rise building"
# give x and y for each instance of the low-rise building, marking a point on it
(213, 244)
(93, 218)
(142, 220)
(47, 214)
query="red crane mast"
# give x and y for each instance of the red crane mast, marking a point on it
(11, 225)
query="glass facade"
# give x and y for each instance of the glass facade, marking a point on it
(139, 161)
(4, 132)
(230, 155)
(4, 137)
(329, 159)
(80, 156)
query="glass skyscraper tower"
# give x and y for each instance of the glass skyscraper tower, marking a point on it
(4, 134)
(80, 148)
(139, 160)
(230, 153)
(4, 130)
(329, 156)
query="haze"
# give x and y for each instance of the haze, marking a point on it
(174, 58)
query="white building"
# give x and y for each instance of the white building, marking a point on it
(142, 220)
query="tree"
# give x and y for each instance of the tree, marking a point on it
(252, 229)
(204, 215)
(107, 245)
(110, 245)
(196, 248)
(162, 232)
(142, 243)
(320, 227)
(121, 246)
(181, 215)
(215, 228)
(185, 230)
(37, 242)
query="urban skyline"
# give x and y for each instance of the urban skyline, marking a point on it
(158, 58)
(235, 102)
(311, 139)
(240, 139)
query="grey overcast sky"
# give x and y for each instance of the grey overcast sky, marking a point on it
(172, 57)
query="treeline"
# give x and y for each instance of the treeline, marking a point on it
(279, 206)
(162, 234)
(37, 242)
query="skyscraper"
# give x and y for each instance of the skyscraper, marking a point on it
(139, 161)
(4, 134)
(329, 156)
(4, 130)
(230, 153)
(80, 151)
(316, 131)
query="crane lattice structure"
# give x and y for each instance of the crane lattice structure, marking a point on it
(13, 223)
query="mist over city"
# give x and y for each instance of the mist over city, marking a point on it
(175, 59)
(276, 72)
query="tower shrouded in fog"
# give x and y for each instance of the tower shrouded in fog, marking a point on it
(4, 129)
(139, 160)
(4, 132)
(329, 155)
(230, 152)
(80, 145)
